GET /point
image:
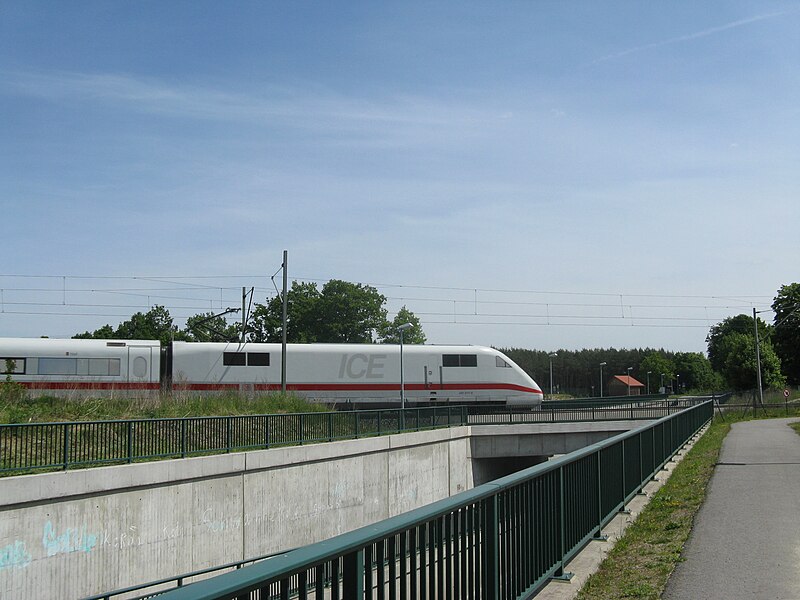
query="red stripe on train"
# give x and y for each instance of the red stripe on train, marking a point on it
(269, 387)
(348, 387)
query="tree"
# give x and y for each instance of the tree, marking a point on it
(786, 331)
(696, 373)
(106, 332)
(578, 372)
(739, 324)
(389, 333)
(657, 363)
(350, 312)
(739, 362)
(265, 324)
(341, 312)
(155, 324)
(207, 327)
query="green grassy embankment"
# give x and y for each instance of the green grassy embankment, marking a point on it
(641, 562)
(20, 408)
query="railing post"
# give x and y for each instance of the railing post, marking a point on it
(130, 442)
(492, 547)
(183, 438)
(300, 432)
(599, 534)
(624, 487)
(358, 422)
(330, 426)
(562, 524)
(353, 576)
(641, 464)
(228, 439)
(66, 446)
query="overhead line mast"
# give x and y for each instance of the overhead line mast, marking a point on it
(283, 321)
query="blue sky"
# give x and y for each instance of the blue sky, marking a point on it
(532, 174)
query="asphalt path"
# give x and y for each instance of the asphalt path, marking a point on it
(745, 542)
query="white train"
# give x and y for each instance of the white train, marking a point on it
(340, 374)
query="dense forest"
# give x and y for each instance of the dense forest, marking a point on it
(578, 373)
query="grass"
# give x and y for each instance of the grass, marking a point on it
(641, 562)
(92, 437)
(18, 407)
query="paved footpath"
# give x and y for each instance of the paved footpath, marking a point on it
(745, 542)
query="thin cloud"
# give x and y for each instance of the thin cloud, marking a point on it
(289, 104)
(333, 118)
(692, 36)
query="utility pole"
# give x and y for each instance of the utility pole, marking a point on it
(791, 308)
(244, 313)
(283, 326)
(758, 366)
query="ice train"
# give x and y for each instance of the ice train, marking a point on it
(364, 375)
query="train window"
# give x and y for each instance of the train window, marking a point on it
(58, 366)
(469, 360)
(139, 367)
(258, 359)
(459, 360)
(234, 359)
(500, 362)
(450, 360)
(104, 367)
(12, 366)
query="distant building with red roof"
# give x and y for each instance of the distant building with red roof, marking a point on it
(618, 386)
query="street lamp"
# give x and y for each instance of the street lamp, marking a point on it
(662, 389)
(629, 369)
(602, 364)
(648, 382)
(401, 329)
(552, 356)
(677, 383)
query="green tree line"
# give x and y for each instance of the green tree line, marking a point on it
(579, 372)
(339, 312)
(343, 312)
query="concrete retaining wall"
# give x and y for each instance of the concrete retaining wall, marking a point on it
(79, 533)
(73, 534)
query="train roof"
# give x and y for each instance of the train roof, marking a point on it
(21, 344)
(338, 348)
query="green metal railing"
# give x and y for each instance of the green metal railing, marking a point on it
(501, 540)
(605, 401)
(29, 447)
(65, 445)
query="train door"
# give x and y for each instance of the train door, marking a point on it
(433, 377)
(140, 364)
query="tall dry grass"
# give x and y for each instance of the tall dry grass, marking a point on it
(30, 408)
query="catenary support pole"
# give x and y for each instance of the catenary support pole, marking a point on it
(283, 321)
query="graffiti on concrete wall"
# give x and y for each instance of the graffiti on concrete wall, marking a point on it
(14, 555)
